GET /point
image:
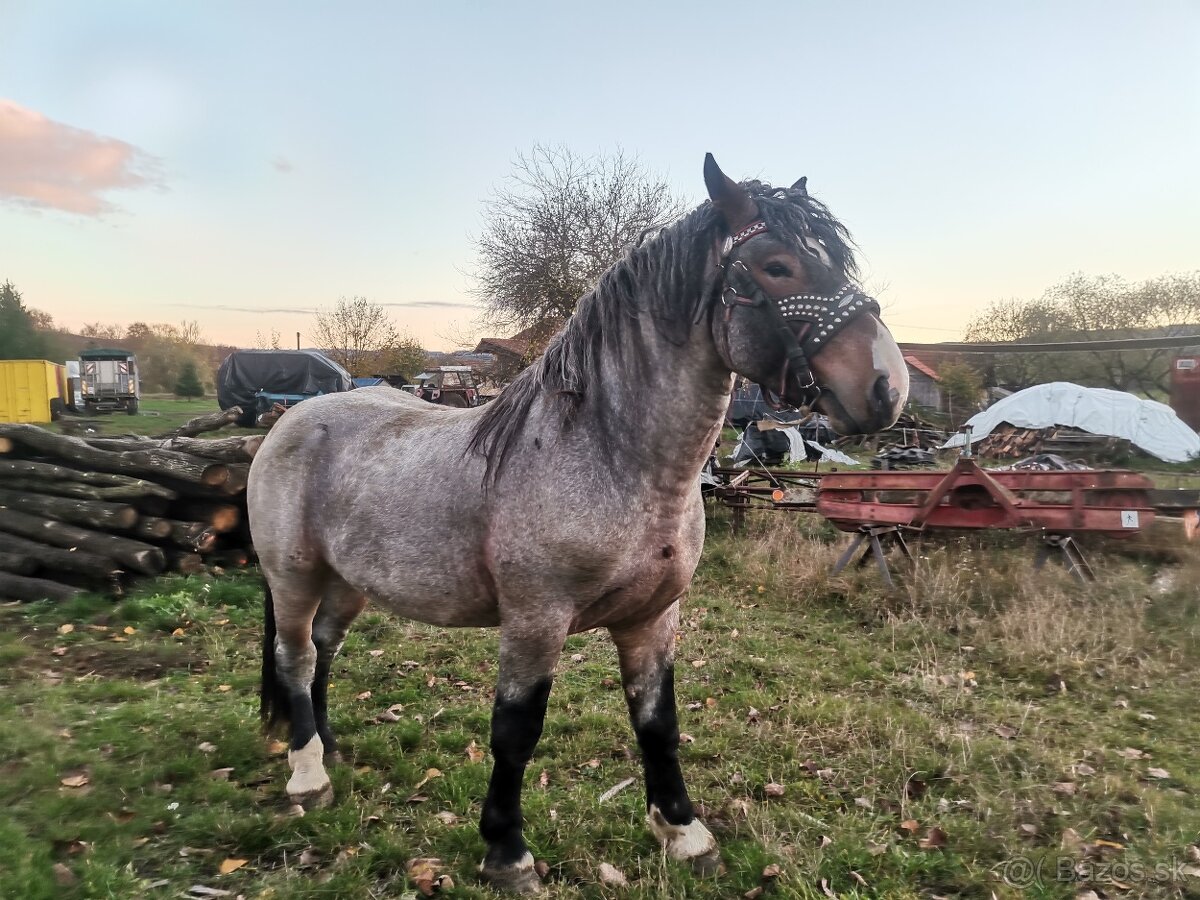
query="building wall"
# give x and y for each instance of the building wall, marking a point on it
(923, 390)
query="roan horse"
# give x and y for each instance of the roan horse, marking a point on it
(561, 506)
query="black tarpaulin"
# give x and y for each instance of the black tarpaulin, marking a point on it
(245, 372)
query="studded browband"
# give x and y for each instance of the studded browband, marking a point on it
(822, 316)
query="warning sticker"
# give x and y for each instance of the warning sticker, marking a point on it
(1129, 518)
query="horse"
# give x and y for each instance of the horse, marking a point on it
(562, 506)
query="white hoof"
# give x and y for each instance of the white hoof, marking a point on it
(691, 842)
(309, 785)
(519, 878)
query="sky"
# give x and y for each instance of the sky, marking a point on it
(242, 164)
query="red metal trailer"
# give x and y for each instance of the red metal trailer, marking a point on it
(1056, 504)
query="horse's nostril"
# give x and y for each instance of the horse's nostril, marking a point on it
(884, 395)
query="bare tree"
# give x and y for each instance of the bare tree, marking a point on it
(556, 226)
(272, 342)
(360, 336)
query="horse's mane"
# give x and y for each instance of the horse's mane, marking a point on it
(666, 276)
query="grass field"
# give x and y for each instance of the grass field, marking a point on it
(989, 732)
(157, 414)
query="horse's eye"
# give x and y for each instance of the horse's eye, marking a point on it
(777, 270)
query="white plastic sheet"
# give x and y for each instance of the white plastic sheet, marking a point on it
(1150, 425)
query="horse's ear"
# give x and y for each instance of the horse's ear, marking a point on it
(727, 195)
(801, 185)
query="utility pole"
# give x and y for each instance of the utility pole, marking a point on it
(297, 340)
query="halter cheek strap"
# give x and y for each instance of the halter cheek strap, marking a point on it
(820, 317)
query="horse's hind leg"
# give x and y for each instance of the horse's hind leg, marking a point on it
(527, 658)
(289, 671)
(647, 671)
(339, 608)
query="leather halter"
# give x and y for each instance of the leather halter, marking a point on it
(821, 316)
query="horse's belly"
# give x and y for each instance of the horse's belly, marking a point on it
(432, 591)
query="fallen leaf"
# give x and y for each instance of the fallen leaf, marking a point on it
(422, 871)
(430, 774)
(206, 747)
(864, 803)
(275, 748)
(365, 695)
(754, 893)
(1071, 840)
(309, 857)
(224, 688)
(1027, 829)
(231, 865)
(753, 715)
(59, 651)
(129, 629)
(858, 878)
(774, 790)
(1005, 731)
(711, 702)
(912, 826)
(612, 876)
(66, 629)
(685, 738)
(447, 818)
(77, 780)
(375, 653)
(591, 764)
(771, 872)
(221, 774)
(1083, 769)
(1066, 788)
(934, 839)
(178, 632)
(63, 876)
(1158, 773)
(699, 663)
(199, 890)
(544, 778)
(542, 868)
(614, 790)
(825, 889)
(825, 841)
(1132, 753)
(474, 754)
(576, 657)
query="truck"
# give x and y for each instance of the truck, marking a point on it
(108, 381)
(448, 386)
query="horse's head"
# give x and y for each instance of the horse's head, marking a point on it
(791, 316)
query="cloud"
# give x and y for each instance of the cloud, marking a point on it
(49, 165)
(305, 310)
(281, 165)
(425, 304)
(246, 309)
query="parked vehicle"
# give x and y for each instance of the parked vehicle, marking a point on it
(32, 390)
(256, 380)
(108, 381)
(448, 386)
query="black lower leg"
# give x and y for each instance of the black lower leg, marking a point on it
(656, 724)
(516, 727)
(320, 699)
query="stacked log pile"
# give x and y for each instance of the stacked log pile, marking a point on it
(1009, 442)
(91, 513)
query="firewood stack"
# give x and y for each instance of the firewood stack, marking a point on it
(91, 513)
(1009, 442)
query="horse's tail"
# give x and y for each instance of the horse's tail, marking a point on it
(273, 706)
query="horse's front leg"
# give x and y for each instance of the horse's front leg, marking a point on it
(527, 658)
(648, 674)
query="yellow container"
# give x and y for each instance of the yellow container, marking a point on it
(31, 389)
